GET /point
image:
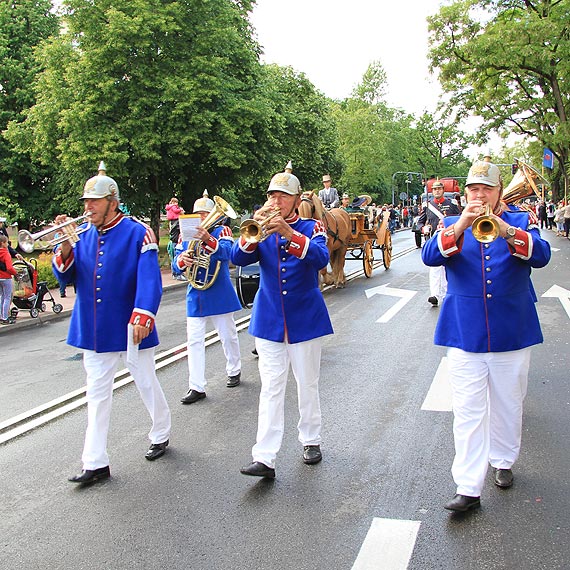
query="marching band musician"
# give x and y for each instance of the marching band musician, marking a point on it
(115, 269)
(288, 320)
(489, 322)
(431, 217)
(217, 303)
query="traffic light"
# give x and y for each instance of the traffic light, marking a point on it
(514, 168)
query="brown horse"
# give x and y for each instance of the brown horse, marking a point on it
(337, 223)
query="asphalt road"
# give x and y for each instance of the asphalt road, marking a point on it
(384, 456)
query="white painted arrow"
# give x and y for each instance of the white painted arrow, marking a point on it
(562, 294)
(385, 290)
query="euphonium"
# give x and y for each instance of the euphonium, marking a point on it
(485, 228)
(201, 260)
(253, 231)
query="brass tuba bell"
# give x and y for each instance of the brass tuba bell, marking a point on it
(201, 260)
(523, 184)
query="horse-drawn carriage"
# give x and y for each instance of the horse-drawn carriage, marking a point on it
(370, 232)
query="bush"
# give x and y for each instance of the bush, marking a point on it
(45, 272)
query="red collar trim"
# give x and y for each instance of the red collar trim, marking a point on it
(292, 219)
(439, 200)
(115, 221)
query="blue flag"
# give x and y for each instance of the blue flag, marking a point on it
(548, 159)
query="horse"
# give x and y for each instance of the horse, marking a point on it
(337, 223)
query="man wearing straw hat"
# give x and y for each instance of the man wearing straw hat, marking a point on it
(329, 195)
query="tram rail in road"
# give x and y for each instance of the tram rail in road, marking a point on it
(36, 417)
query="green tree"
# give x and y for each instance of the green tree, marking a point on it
(24, 24)
(163, 91)
(508, 61)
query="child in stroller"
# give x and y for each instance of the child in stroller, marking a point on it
(28, 293)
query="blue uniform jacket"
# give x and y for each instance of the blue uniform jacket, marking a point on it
(221, 297)
(116, 275)
(490, 301)
(289, 305)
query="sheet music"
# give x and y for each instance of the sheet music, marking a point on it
(188, 225)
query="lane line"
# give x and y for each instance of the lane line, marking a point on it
(388, 545)
(438, 398)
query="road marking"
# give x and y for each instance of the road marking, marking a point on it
(562, 294)
(388, 545)
(438, 398)
(405, 295)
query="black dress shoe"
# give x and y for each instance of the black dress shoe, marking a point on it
(312, 454)
(433, 300)
(193, 396)
(156, 450)
(258, 469)
(234, 381)
(463, 503)
(503, 478)
(88, 476)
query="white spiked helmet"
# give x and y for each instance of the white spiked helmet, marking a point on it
(101, 186)
(285, 182)
(203, 204)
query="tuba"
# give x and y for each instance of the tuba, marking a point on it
(201, 260)
(524, 183)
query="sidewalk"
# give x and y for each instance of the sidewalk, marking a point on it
(25, 320)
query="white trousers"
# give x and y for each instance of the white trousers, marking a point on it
(274, 361)
(488, 394)
(438, 282)
(196, 331)
(101, 368)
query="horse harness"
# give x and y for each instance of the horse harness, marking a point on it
(330, 232)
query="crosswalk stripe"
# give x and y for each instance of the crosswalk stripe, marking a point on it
(438, 398)
(388, 545)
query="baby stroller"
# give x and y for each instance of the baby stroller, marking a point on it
(28, 293)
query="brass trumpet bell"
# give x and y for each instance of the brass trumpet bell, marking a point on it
(28, 242)
(252, 231)
(485, 228)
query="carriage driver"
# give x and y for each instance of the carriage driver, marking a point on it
(288, 319)
(329, 195)
(114, 266)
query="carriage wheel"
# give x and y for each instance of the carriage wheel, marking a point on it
(34, 313)
(387, 250)
(367, 258)
(57, 308)
(44, 307)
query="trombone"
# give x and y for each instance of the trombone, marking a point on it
(27, 241)
(253, 231)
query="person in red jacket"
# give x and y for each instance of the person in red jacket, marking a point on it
(6, 272)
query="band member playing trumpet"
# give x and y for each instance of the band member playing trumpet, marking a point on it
(489, 322)
(216, 301)
(289, 319)
(431, 217)
(114, 266)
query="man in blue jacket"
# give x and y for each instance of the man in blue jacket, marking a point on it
(114, 266)
(288, 320)
(489, 323)
(216, 302)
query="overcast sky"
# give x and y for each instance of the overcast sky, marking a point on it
(334, 41)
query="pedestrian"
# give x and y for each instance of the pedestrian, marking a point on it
(6, 285)
(329, 195)
(288, 320)
(489, 322)
(559, 219)
(115, 269)
(173, 212)
(567, 220)
(542, 215)
(209, 297)
(345, 202)
(432, 216)
(550, 210)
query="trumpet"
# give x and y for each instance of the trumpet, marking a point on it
(485, 228)
(27, 241)
(253, 231)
